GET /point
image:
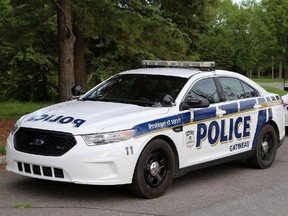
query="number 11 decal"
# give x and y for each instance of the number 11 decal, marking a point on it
(129, 150)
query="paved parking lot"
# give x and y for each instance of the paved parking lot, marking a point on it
(228, 189)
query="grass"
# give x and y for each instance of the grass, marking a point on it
(267, 80)
(2, 150)
(15, 109)
(275, 90)
(23, 205)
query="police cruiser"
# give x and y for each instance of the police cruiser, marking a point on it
(145, 127)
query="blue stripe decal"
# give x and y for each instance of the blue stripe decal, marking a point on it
(270, 115)
(261, 100)
(203, 114)
(229, 108)
(247, 105)
(186, 117)
(262, 116)
(163, 123)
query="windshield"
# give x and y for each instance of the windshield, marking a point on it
(139, 89)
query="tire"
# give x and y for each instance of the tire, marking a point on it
(154, 171)
(266, 148)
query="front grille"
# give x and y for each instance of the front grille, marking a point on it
(41, 142)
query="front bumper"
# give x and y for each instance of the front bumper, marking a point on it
(109, 164)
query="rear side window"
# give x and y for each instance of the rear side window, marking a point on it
(235, 89)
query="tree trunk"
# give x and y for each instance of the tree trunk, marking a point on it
(66, 41)
(258, 72)
(280, 69)
(79, 58)
(286, 65)
(272, 67)
(249, 74)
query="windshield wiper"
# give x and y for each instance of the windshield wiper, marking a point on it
(113, 100)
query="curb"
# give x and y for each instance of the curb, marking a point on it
(2, 160)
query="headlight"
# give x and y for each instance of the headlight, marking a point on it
(105, 138)
(14, 128)
(17, 125)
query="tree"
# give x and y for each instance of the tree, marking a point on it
(96, 39)
(218, 42)
(27, 52)
(276, 20)
(66, 41)
(238, 38)
(122, 33)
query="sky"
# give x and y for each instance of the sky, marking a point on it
(237, 1)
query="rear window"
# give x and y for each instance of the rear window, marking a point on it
(235, 89)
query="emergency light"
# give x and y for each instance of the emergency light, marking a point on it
(183, 64)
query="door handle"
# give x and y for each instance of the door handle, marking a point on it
(220, 112)
(257, 106)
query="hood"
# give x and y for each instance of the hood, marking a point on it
(84, 117)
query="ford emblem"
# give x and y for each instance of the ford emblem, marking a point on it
(37, 142)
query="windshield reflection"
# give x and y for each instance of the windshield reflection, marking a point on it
(138, 89)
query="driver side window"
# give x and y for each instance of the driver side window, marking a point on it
(205, 88)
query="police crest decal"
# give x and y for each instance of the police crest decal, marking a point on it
(190, 140)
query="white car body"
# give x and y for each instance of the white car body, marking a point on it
(199, 136)
(285, 101)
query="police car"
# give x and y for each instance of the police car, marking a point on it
(147, 126)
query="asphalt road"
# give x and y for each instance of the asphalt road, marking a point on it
(230, 189)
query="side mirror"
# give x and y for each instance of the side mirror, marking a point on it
(194, 103)
(77, 91)
(166, 101)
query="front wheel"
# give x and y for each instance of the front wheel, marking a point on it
(154, 171)
(266, 148)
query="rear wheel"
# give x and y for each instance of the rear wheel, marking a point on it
(266, 148)
(154, 171)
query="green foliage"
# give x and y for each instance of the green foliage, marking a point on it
(275, 90)
(123, 33)
(28, 52)
(216, 48)
(267, 80)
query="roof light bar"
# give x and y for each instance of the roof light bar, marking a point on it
(184, 64)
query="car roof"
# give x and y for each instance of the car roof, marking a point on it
(176, 72)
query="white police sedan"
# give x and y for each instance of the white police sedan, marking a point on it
(145, 127)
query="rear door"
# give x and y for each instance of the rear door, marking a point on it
(251, 112)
